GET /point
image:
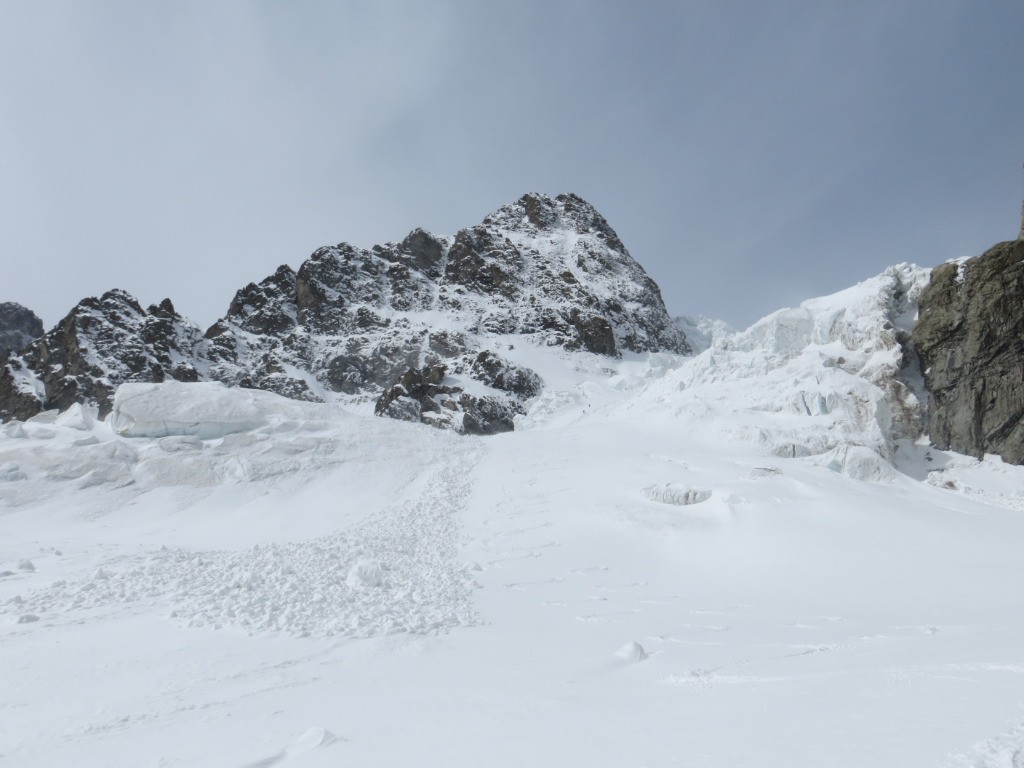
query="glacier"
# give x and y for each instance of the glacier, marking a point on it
(748, 556)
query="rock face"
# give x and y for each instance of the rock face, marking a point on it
(970, 337)
(422, 395)
(18, 326)
(101, 343)
(419, 329)
(412, 326)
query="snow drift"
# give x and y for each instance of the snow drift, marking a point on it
(205, 410)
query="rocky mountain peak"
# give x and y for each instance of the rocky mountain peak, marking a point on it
(537, 212)
(378, 326)
(555, 268)
(357, 323)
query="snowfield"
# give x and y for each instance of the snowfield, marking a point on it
(744, 558)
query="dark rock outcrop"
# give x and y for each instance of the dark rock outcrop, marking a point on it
(500, 374)
(100, 344)
(970, 338)
(431, 396)
(18, 326)
(421, 395)
(375, 326)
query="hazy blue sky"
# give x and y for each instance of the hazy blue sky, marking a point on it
(749, 154)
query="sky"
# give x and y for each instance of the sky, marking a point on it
(750, 155)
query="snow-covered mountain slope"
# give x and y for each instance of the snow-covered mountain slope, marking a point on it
(637, 575)
(417, 330)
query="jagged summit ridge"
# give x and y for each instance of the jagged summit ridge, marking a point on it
(100, 343)
(550, 269)
(355, 323)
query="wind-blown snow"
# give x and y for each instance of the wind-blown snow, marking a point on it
(745, 558)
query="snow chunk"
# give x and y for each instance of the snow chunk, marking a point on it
(632, 652)
(1003, 751)
(365, 573)
(673, 493)
(44, 417)
(15, 430)
(77, 416)
(860, 463)
(10, 472)
(180, 443)
(310, 740)
(205, 410)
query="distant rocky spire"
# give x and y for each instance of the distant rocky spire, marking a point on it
(18, 326)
